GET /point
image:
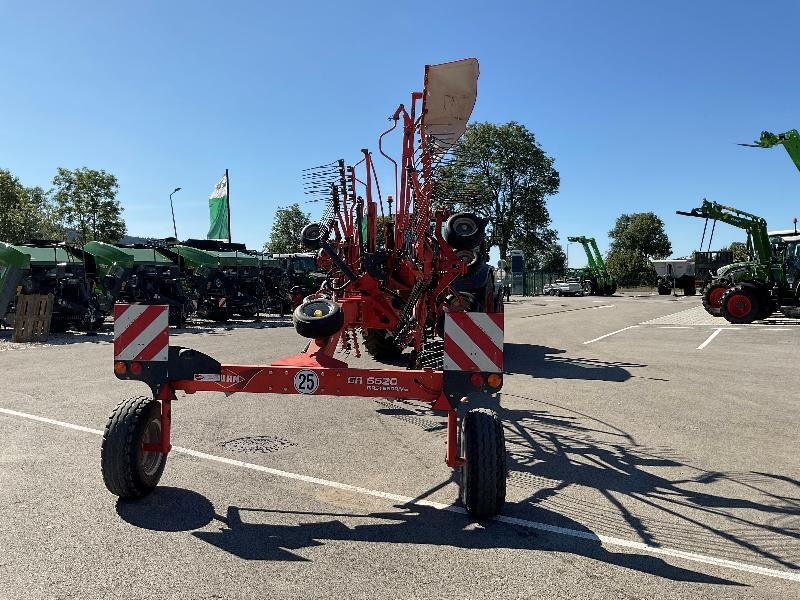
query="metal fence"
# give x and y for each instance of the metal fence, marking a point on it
(534, 281)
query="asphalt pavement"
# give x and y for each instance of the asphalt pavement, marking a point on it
(652, 452)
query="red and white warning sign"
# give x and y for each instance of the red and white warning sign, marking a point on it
(141, 332)
(473, 342)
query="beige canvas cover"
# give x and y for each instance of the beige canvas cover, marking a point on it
(450, 92)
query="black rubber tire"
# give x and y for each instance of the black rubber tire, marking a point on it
(127, 471)
(689, 290)
(483, 475)
(744, 313)
(464, 231)
(664, 291)
(310, 236)
(379, 346)
(707, 291)
(309, 325)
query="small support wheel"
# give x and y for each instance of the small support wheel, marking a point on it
(464, 231)
(318, 318)
(483, 475)
(129, 471)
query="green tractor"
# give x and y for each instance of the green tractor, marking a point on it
(51, 267)
(140, 274)
(595, 278)
(743, 292)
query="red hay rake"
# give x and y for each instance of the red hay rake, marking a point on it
(412, 278)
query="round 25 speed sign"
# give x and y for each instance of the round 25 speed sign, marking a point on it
(306, 382)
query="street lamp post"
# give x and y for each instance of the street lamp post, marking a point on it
(174, 228)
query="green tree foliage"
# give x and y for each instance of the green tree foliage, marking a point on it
(740, 251)
(25, 213)
(286, 228)
(635, 239)
(502, 174)
(543, 252)
(86, 201)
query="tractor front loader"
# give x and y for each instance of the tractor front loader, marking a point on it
(596, 279)
(391, 278)
(743, 292)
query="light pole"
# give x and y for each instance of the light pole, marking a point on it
(174, 229)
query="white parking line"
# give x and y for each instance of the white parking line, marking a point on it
(711, 337)
(603, 306)
(564, 531)
(602, 337)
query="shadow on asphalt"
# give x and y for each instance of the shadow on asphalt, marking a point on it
(659, 495)
(545, 362)
(248, 534)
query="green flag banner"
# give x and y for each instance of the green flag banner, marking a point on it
(219, 211)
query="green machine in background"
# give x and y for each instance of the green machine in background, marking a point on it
(226, 278)
(140, 274)
(743, 292)
(13, 265)
(595, 278)
(51, 267)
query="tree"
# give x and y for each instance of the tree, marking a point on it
(86, 201)
(542, 251)
(25, 213)
(502, 174)
(740, 251)
(635, 239)
(641, 233)
(630, 269)
(286, 228)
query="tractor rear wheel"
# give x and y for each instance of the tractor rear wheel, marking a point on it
(129, 471)
(483, 476)
(740, 305)
(712, 295)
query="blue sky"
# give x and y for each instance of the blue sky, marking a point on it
(640, 103)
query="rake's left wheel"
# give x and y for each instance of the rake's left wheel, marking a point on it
(129, 471)
(483, 475)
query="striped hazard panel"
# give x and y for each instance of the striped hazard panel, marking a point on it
(473, 342)
(141, 332)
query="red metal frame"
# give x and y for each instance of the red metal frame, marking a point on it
(416, 256)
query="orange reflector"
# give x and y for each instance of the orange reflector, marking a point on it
(136, 368)
(495, 380)
(476, 379)
(119, 368)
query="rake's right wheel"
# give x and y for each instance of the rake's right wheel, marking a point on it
(483, 475)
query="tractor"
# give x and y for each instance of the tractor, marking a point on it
(596, 279)
(743, 292)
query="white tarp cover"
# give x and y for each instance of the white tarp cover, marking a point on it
(450, 93)
(680, 267)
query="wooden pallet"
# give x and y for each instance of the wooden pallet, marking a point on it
(32, 321)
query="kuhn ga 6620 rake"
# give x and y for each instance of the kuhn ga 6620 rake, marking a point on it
(413, 278)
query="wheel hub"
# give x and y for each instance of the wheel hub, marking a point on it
(739, 305)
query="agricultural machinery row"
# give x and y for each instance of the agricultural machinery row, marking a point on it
(207, 278)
